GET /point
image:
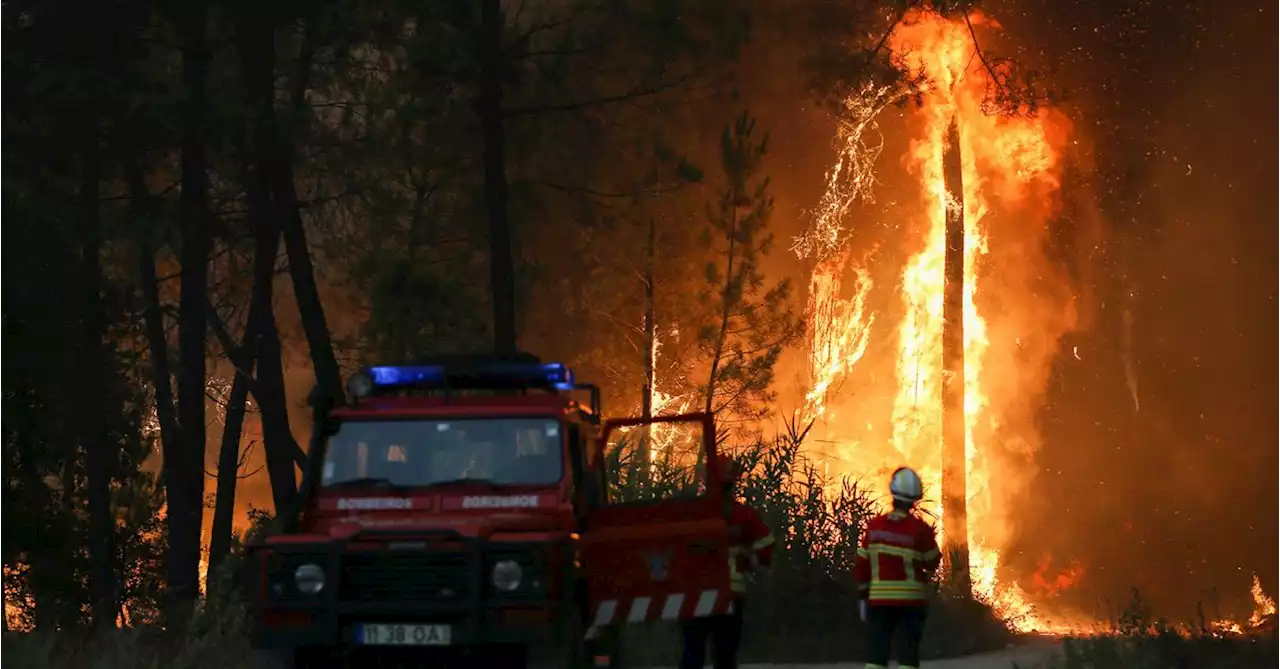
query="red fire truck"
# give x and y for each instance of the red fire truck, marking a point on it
(463, 510)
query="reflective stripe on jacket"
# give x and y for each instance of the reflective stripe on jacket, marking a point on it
(747, 535)
(896, 558)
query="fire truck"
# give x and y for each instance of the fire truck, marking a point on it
(463, 510)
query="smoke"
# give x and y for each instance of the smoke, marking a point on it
(1158, 468)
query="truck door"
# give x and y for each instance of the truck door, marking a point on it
(658, 550)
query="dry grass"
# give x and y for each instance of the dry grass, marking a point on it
(1136, 641)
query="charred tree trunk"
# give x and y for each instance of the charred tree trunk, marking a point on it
(954, 489)
(154, 326)
(262, 340)
(489, 106)
(650, 344)
(650, 325)
(99, 447)
(281, 449)
(184, 460)
(228, 475)
(279, 166)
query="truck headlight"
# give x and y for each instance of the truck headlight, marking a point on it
(309, 578)
(507, 575)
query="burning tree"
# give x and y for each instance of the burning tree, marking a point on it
(982, 147)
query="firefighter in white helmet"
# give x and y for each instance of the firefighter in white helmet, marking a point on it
(897, 557)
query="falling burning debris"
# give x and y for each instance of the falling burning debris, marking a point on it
(1010, 167)
(852, 177)
(839, 327)
(1130, 373)
(839, 331)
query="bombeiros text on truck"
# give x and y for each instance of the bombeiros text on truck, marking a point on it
(462, 508)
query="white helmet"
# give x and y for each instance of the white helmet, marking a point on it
(905, 485)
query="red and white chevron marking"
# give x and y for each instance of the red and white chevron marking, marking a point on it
(669, 606)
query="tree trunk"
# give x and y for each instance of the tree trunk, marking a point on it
(100, 449)
(7, 516)
(224, 510)
(152, 313)
(489, 107)
(954, 488)
(650, 349)
(184, 459)
(650, 326)
(262, 340)
(728, 299)
(279, 167)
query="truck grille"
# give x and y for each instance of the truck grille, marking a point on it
(380, 577)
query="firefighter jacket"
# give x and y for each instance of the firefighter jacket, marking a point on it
(896, 558)
(747, 535)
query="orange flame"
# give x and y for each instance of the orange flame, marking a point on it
(1046, 585)
(1263, 606)
(1015, 306)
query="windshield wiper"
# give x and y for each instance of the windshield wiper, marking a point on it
(369, 481)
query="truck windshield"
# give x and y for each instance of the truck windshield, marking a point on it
(501, 451)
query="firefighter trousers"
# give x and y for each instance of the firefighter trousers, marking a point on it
(886, 622)
(725, 634)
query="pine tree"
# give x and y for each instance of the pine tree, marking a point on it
(748, 321)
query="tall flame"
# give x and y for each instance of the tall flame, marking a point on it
(1015, 306)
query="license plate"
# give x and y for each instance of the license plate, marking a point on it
(403, 635)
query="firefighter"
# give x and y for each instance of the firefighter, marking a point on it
(750, 549)
(897, 556)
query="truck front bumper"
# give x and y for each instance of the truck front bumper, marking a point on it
(417, 587)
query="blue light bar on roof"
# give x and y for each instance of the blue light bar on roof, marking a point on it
(488, 374)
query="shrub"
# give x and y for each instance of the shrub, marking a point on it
(213, 638)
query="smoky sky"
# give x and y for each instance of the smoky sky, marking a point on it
(1159, 463)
